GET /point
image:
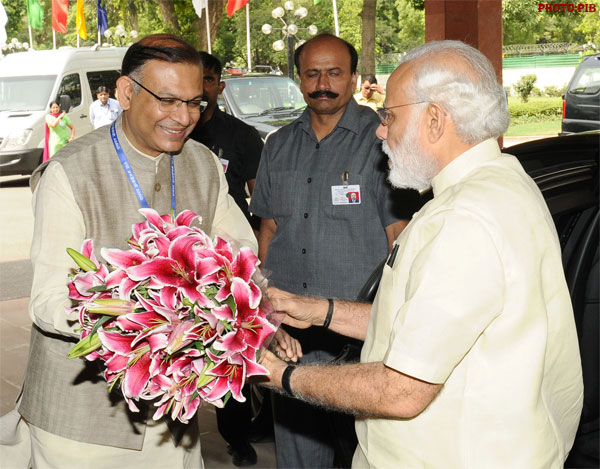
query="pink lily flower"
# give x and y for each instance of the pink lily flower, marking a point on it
(250, 329)
(179, 270)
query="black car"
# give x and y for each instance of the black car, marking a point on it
(565, 168)
(265, 102)
(581, 102)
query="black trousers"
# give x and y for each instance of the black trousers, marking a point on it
(234, 420)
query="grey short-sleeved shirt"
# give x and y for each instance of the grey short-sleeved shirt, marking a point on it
(322, 249)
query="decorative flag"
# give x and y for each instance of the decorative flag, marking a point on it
(35, 13)
(102, 19)
(3, 20)
(235, 5)
(80, 21)
(60, 10)
(199, 5)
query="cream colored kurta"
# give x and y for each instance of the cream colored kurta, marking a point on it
(476, 299)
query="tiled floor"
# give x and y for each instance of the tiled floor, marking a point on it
(14, 346)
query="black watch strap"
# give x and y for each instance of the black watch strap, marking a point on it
(329, 314)
(285, 380)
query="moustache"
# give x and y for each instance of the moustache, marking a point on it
(327, 93)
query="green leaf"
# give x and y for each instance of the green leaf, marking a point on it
(100, 322)
(86, 345)
(99, 288)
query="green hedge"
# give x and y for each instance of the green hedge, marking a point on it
(537, 108)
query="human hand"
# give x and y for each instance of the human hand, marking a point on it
(274, 365)
(286, 347)
(301, 311)
(377, 87)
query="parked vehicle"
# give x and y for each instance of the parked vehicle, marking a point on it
(565, 168)
(265, 102)
(581, 102)
(29, 81)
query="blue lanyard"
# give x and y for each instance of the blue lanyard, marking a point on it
(131, 175)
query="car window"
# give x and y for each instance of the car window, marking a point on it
(25, 93)
(587, 81)
(256, 95)
(106, 78)
(71, 86)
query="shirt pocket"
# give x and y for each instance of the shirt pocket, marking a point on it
(283, 193)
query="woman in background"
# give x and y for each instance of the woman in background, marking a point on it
(56, 133)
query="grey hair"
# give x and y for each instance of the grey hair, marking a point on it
(473, 98)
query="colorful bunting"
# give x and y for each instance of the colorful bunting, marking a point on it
(3, 21)
(35, 14)
(102, 19)
(235, 5)
(60, 10)
(80, 21)
(200, 5)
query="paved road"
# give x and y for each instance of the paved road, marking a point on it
(15, 237)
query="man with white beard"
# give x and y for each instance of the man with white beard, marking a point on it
(470, 355)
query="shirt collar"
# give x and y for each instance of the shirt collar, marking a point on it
(350, 119)
(462, 165)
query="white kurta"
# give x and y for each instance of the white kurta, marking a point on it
(476, 299)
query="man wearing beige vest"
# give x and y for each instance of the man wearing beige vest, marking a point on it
(85, 192)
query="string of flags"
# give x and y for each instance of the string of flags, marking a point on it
(60, 9)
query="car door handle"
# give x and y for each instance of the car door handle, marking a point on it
(83, 115)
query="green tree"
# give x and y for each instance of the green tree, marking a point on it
(367, 55)
(523, 23)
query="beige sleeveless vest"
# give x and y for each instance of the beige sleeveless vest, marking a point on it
(70, 398)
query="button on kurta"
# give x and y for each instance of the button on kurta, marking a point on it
(309, 180)
(304, 284)
(306, 215)
(157, 187)
(303, 251)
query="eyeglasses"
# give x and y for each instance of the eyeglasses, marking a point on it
(194, 106)
(386, 117)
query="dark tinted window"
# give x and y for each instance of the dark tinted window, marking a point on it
(71, 86)
(587, 80)
(106, 78)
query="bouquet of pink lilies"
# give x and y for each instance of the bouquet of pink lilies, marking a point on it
(178, 319)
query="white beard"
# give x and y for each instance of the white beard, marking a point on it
(410, 166)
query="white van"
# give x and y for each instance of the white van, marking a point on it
(29, 81)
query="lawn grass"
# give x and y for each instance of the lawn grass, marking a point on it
(538, 116)
(529, 129)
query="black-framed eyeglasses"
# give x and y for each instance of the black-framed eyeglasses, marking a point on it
(194, 106)
(386, 117)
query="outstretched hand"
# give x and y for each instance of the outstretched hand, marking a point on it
(301, 311)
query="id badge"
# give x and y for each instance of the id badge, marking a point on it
(345, 195)
(225, 164)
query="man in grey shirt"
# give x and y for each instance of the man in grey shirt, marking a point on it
(312, 235)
